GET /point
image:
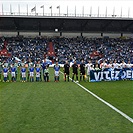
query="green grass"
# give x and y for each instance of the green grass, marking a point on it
(117, 93)
(64, 107)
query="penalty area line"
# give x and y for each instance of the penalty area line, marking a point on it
(103, 101)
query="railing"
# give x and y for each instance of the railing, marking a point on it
(63, 15)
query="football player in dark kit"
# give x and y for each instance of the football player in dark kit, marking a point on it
(66, 70)
(82, 70)
(75, 71)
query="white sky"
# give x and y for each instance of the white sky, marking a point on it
(125, 5)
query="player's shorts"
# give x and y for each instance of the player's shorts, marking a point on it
(66, 72)
(75, 72)
(13, 74)
(31, 74)
(46, 74)
(23, 74)
(37, 74)
(56, 73)
(82, 72)
(5, 75)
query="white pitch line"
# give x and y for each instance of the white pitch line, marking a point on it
(103, 101)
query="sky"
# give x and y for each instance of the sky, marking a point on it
(94, 7)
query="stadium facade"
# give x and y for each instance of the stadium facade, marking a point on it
(60, 26)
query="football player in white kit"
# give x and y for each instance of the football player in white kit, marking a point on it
(129, 65)
(103, 65)
(115, 64)
(88, 67)
(123, 64)
(110, 64)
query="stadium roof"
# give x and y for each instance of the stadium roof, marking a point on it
(66, 24)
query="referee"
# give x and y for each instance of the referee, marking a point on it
(75, 71)
(82, 70)
(66, 70)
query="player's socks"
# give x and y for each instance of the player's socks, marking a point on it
(84, 77)
(76, 77)
(65, 77)
(44, 78)
(5, 79)
(72, 78)
(68, 78)
(48, 79)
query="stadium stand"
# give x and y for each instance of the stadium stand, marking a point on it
(94, 49)
(70, 48)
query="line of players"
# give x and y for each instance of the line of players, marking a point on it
(42, 70)
(27, 72)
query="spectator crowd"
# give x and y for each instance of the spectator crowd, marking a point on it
(70, 48)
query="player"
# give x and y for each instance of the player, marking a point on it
(13, 73)
(16, 66)
(5, 74)
(57, 72)
(75, 71)
(97, 63)
(82, 70)
(44, 64)
(22, 65)
(115, 64)
(129, 65)
(29, 65)
(46, 74)
(7, 65)
(103, 65)
(23, 74)
(66, 71)
(31, 73)
(38, 72)
(38, 64)
(96, 67)
(110, 64)
(88, 66)
(123, 64)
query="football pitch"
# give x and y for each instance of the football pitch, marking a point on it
(64, 107)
